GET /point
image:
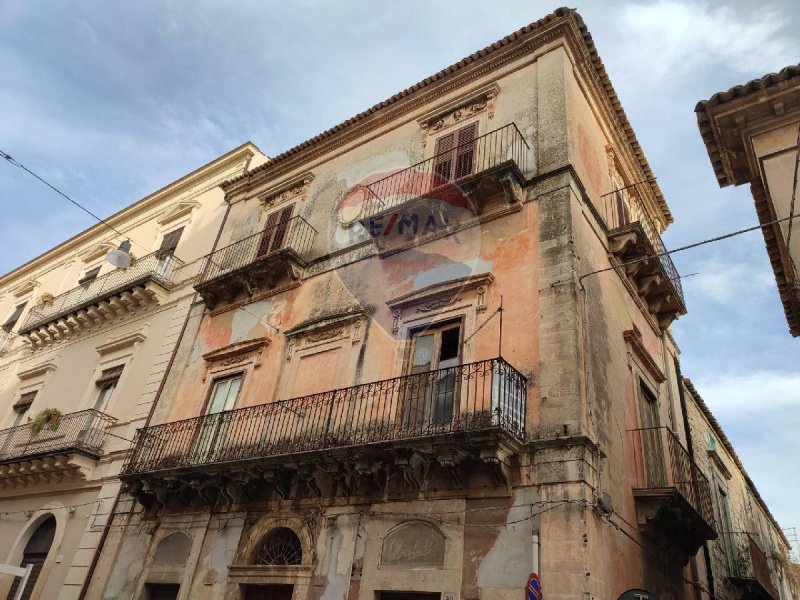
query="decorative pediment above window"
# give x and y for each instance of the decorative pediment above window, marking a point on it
(177, 211)
(25, 288)
(38, 371)
(287, 191)
(245, 353)
(96, 251)
(461, 110)
(325, 330)
(438, 297)
(636, 347)
(121, 342)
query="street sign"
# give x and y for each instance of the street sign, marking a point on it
(533, 589)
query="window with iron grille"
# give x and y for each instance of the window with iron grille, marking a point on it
(12, 320)
(280, 547)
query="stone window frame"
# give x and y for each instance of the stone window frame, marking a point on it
(380, 565)
(478, 106)
(644, 370)
(291, 191)
(345, 331)
(170, 573)
(242, 571)
(239, 357)
(461, 299)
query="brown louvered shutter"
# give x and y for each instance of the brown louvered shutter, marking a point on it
(109, 375)
(465, 150)
(12, 320)
(275, 231)
(443, 162)
(25, 401)
(170, 242)
(89, 276)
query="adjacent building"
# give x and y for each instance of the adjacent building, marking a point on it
(84, 349)
(752, 134)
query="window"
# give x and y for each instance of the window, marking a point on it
(224, 393)
(275, 231)
(22, 405)
(651, 432)
(35, 554)
(12, 320)
(280, 547)
(162, 591)
(455, 154)
(89, 275)
(435, 352)
(213, 431)
(724, 515)
(170, 242)
(106, 384)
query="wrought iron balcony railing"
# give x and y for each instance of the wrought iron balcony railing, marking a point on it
(438, 176)
(156, 267)
(81, 432)
(482, 396)
(624, 207)
(662, 463)
(292, 237)
(748, 563)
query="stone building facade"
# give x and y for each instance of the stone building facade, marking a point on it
(91, 341)
(751, 555)
(429, 356)
(752, 134)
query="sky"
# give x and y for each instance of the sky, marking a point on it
(110, 102)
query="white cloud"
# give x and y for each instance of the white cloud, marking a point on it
(670, 38)
(728, 281)
(733, 395)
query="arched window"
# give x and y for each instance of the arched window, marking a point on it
(280, 547)
(35, 554)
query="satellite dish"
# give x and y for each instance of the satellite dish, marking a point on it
(120, 257)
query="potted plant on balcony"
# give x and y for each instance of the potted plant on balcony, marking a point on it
(49, 417)
(46, 297)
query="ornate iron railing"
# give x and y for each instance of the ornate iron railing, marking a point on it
(84, 431)
(293, 236)
(438, 176)
(748, 561)
(479, 396)
(158, 267)
(662, 462)
(625, 206)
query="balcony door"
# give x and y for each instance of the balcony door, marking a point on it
(274, 236)
(652, 444)
(432, 387)
(455, 155)
(214, 427)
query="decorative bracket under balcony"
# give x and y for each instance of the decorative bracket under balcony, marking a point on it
(100, 301)
(650, 273)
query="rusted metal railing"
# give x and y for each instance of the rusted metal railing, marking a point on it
(662, 462)
(84, 431)
(485, 395)
(438, 176)
(293, 236)
(158, 267)
(623, 207)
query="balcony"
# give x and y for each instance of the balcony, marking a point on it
(749, 567)
(673, 497)
(67, 453)
(635, 243)
(447, 190)
(412, 434)
(101, 300)
(262, 261)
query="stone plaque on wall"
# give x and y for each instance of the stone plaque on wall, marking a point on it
(415, 544)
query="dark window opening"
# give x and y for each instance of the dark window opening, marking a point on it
(35, 554)
(170, 242)
(162, 591)
(280, 547)
(12, 320)
(89, 276)
(268, 592)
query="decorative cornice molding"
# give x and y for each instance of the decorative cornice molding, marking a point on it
(37, 371)
(292, 189)
(96, 251)
(123, 341)
(439, 292)
(238, 353)
(25, 288)
(177, 211)
(458, 111)
(636, 347)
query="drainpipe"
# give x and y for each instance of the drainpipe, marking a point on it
(104, 535)
(536, 549)
(690, 448)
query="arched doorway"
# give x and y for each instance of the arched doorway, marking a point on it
(35, 554)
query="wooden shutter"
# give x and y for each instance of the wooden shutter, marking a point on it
(443, 163)
(465, 150)
(25, 401)
(12, 320)
(170, 242)
(109, 375)
(275, 231)
(89, 276)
